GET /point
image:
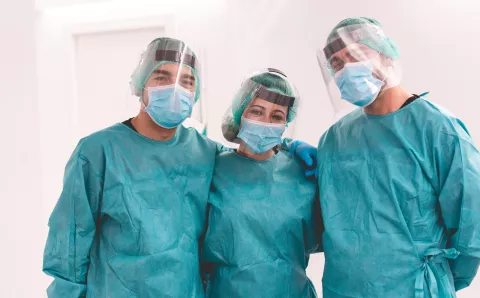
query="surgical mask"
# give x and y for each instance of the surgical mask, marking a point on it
(260, 136)
(357, 84)
(170, 105)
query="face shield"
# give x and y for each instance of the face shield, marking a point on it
(167, 80)
(357, 64)
(267, 99)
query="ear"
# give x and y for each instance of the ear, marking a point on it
(143, 98)
(387, 61)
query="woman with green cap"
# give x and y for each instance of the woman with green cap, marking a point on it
(264, 218)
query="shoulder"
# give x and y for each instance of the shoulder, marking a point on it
(345, 124)
(442, 121)
(191, 135)
(286, 161)
(90, 145)
(225, 156)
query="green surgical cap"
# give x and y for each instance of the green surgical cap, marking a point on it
(380, 43)
(150, 61)
(273, 83)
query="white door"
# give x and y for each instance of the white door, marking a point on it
(104, 63)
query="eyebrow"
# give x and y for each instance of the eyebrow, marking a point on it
(279, 111)
(263, 108)
(257, 106)
(334, 59)
(167, 73)
(187, 76)
(161, 71)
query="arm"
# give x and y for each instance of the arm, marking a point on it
(317, 228)
(206, 268)
(221, 148)
(304, 152)
(458, 166)
(72, 229)
(286, 144)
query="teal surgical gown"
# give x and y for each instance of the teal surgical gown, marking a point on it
(130, 216)
(263, 224)
(400, 198)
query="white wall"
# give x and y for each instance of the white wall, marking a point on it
(21, 245)
(56, 94)
(436, 40)
(284, 34)
(41, 4)
(102, 60)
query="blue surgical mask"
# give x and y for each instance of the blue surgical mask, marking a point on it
(169, 106)
(357, 84)
(260, 136)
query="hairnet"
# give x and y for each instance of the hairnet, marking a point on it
(273, 83)
(362, 44)
(158, 52)
(270, 80)
(379, 42)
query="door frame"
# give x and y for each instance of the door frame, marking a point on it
(165, 22)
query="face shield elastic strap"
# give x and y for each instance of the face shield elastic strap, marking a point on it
(175, 56)
(352, 34)
(275, 98)
(334, 47)
(276, 71)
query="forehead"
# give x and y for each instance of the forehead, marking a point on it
(354, 49)
(267, 104)
(175, 68)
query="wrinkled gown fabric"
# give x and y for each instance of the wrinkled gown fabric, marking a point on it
(130, 216)
(263, 222)
(400, 198)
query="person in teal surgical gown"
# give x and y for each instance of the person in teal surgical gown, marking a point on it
(264, 217)
(399, 178)
(133, 205)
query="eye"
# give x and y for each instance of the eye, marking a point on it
(337, 65)
(278, 118)
(161, 79)
(256, 112)
(188, 83)
(351, 58)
